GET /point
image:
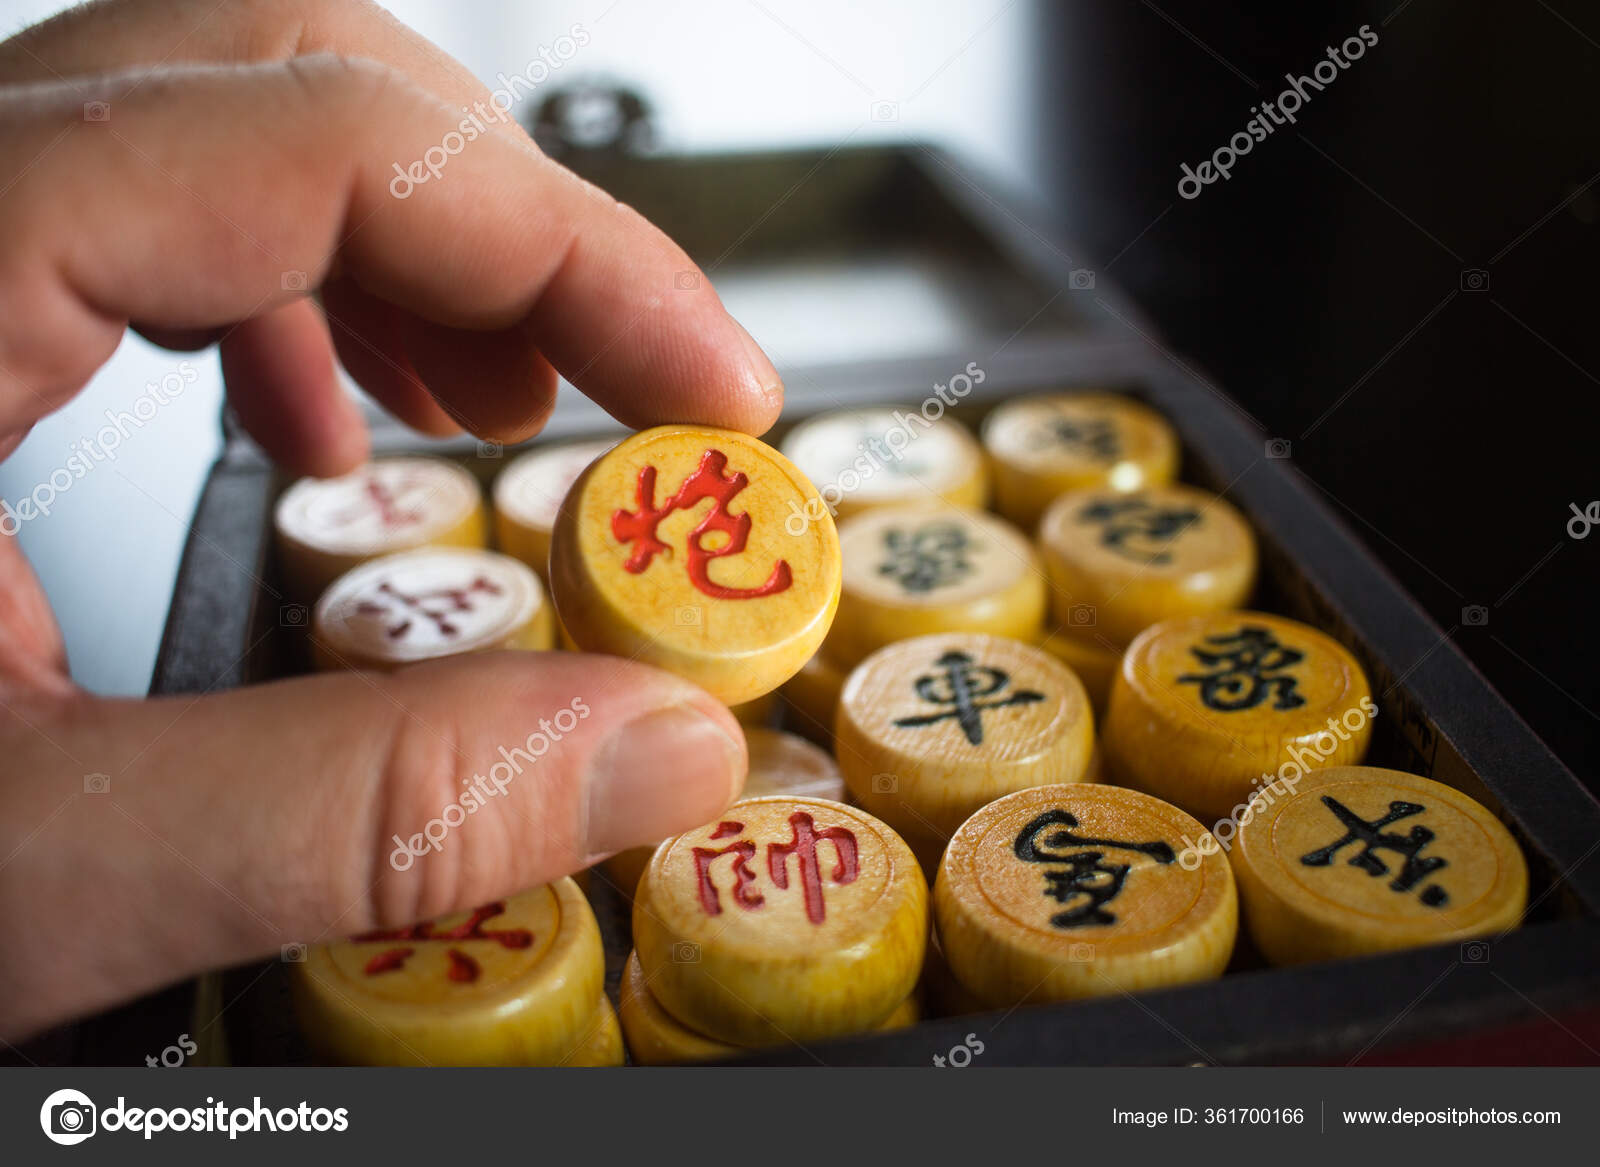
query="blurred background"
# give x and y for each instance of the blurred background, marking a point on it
(1400, 285)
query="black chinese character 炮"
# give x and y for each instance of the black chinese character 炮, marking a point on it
(1138, 529)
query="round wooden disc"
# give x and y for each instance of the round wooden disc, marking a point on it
(527, 497)
(931, 729)
(657, 1038)
(1095, 663)
(789, 919)
(1075, 891)
(326, 526)
(1355, 860)
(1119, 562)
(883, 456)
(513, 984)
(1041, 446)
(420, 605)
(1206, 709)
(701, 551)
(916, 571)
(601, 1043)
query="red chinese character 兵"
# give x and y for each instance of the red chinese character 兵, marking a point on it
(436, 605)
(463, 968)
(708, 481)
(802, 844)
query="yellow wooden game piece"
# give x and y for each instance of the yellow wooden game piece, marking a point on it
(931, 729)
(1095, 663)
(787, 920)
(915, 571)
(1356, 860)
(420, 605)
(527, 497)
(602, 1043)
(1042, 446)
(863, 458)
(780, 763)
(657, 1038)
(946, 996)
(758, 712)
(1205, 710)
(326, 526)
(689, 549)
(812, 696)
(514, 983)
(1063, 892)
(1120, 562)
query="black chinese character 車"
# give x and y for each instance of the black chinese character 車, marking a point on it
(962, 684)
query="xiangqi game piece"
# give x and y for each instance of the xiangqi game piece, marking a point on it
(780, 763)
(1042, 446)
(657, 1038)
(1120, 562)
(1206, 710)
(812, 696)
(420, 605)
(527, 497)
(1064, 892)
(326, 526)
(788, 919)
(931, 729)
(679, 548)
(602, 1043)
(863, 458)
(1096, 663)
(916, 571)
(513, 983)
(1356, 860)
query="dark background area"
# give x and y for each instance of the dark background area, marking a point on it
(1322, 285)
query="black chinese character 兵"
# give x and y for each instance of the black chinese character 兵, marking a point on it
(1094, 437)
(1373, 839)
(1080, 877)
(1138, 529)
(1248, 668)
(962, 684)
(927, 557)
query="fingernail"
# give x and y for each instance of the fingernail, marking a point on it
(659, 774)
(761, 369)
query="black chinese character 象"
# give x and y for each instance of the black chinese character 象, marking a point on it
(1093, 437)
(963, 685)
(927, 557)
(1372, 839)
(1080, 878)
(1248, 668)
(1137, 529)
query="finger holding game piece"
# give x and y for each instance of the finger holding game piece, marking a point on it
(787, 920)
(513, 983)
(657, 1038)
(1064, 892)
(920, 570)
(1205, 709)
(327, 526)
(1043, 446)
(691, 549)
(422, 605)
(527, 497)
(1355, 860)
(864, 458)
(780, 764)
(930, 730)
(1119, 562)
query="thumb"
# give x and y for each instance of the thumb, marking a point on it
(151, 840)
